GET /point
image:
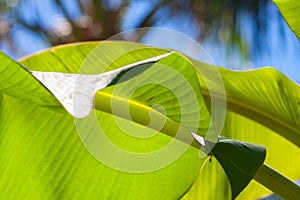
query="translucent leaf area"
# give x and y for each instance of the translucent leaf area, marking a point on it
(42, 154)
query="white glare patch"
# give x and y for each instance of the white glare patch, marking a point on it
(76, 91)
(198, 138)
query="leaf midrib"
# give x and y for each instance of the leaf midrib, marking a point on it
(140, 114)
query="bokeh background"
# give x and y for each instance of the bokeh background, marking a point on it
(237, 34)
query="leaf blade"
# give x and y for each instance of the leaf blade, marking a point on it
(240, 161)
(290, 11)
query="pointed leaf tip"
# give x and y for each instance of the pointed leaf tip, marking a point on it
(240, 161)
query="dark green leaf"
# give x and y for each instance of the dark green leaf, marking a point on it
(240, 161)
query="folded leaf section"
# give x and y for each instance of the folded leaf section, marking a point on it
(240, 161)
(17, 81)
(170, 87)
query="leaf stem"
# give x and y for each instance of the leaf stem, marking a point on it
(144, 115)
(277, 183)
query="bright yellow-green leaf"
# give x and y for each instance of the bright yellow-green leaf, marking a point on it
(282, 155)
(43, 157)
(290, 9)
(264, 95)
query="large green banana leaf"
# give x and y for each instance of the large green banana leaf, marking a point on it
(42, 156)
(55, 164)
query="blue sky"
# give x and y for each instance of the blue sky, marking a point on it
(281, 49)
